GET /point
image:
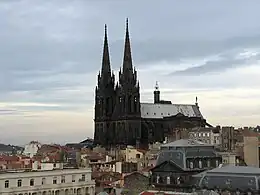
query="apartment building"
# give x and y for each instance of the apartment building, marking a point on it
(47, 182)
(208, 135)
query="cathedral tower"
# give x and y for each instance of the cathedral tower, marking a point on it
(104, 96)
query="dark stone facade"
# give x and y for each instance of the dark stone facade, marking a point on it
(118, 115)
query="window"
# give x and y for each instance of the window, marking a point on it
(54, 181)
(54, 165)
(83, 177)
(157, 179)
(138, 156)
(62, 179)
(208, 163)
(203, 134)
(6, 183)
(208, 134)
(217, 163)
(168, 180)
(43, 181)
(19, 183)
(200, 164)
(135, 99)
(199, 134)
(31, 182)
(73, 178)
(191, 165)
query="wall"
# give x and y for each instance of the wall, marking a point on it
(251, 151)
(131, 155)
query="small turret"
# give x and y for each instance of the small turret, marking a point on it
(196, 102)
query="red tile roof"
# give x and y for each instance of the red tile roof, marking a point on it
(9, 158)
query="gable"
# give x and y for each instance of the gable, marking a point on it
(166, 166)
(134, 175)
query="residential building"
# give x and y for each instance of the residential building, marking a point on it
(209, 135)
(131, 154)
(179, 160)
(135, 182)
(230, 178)
(54, 182)
(7, 149)
(248, 147)
(229, 158)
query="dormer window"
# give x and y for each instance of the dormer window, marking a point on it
(200, 164)
(208, 163)
(191, 165)
(168, 180)
(157, 179)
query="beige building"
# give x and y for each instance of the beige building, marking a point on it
(132, 154)
(251, 148)
(243, 141)
(229, 158)
(209, 135)
(51, 182)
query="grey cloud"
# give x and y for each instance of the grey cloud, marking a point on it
(48, 47)
(227, 61)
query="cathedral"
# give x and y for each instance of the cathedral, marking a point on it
(121, 119)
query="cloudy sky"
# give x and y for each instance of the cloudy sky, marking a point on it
(50, 53)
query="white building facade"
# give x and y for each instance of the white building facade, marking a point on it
(52, 182)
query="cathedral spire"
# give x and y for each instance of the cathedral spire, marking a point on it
(127, 61)
(106, 69)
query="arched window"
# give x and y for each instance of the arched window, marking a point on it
(31, 182)
(43, 181)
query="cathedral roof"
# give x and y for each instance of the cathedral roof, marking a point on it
(150, 110)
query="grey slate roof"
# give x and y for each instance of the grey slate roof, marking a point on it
(151, 110)
(236, 170)
(179, 150)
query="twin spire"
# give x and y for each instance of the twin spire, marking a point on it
(127, 60)
(106, 69)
